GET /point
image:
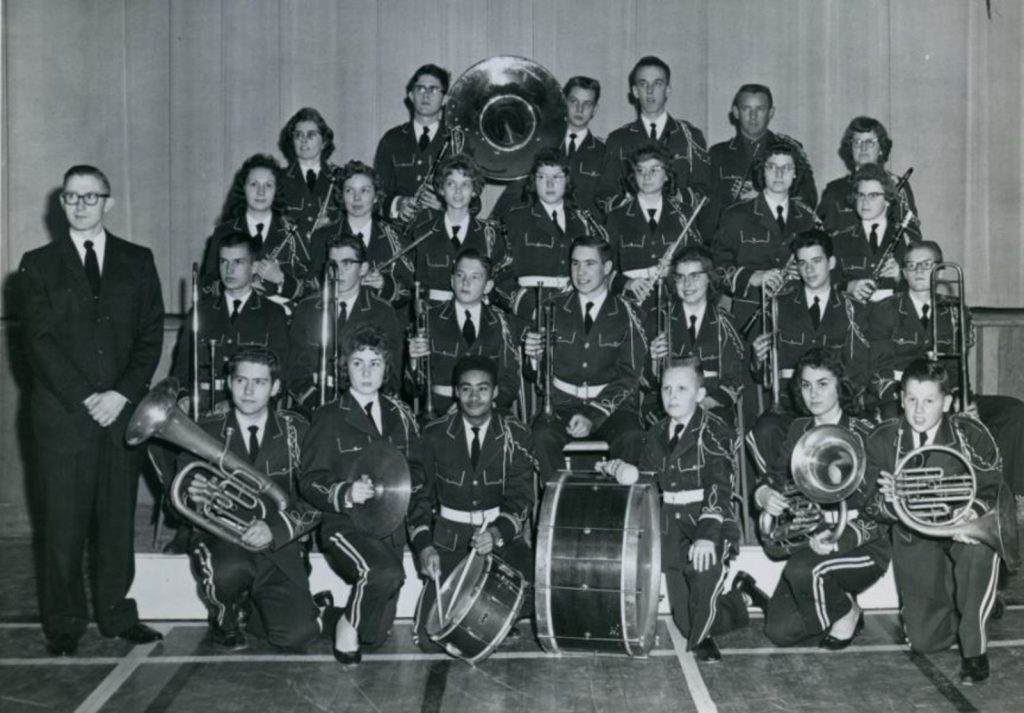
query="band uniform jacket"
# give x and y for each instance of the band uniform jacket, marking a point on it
(731, 169)
(685, 143)
(498, 337)
(339, 431)
(261, 323)
(443, 474)
(749, 239)
(855, 260)
(862, 528)
(836, 208)
(304, 335)
(382, 245)
(399, 164)
(278, 459)
(611, 355)
(282, 241)
(702, 459)
(308, 211)
(78, 345)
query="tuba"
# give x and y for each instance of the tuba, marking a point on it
(828, 464)
(241, 494)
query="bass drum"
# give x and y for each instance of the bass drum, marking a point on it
(481, 600)
(598, 565)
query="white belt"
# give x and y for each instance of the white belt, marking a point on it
(471, 517)
(683, 497)
(443, 390)
(440, 295)
(785, 373)
(544, 281)
(581, 392)
(643, 273)
(832, 516)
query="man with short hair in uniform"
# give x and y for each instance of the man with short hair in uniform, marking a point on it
(308, 188)
(473, 467)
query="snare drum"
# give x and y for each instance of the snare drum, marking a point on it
(482, 597)
(598, 565)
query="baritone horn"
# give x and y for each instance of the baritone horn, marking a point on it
(239, 496)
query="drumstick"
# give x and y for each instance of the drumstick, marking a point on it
(437, 591)
(465, 571)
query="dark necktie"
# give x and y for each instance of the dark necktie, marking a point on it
(455, 238)
(474, 447)
(654, 131)
(815, 311)
(342, 315)
(468, 330)
(311, 180)
(874, 237)
(236, 308)
(359, 237)
(369, 414)
(922, 439)
(780, 218)
(259, 236)
(92, 268)
(677, 431)
(588, 321)
(424, 139)
(652, 223)
(692, 329)
(571, 149)
(554, 219)
(925, 319)
(254, 443)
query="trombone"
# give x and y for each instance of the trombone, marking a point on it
(194, 406)
(327, 364)
(960, 338)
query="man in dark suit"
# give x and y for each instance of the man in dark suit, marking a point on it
(93, 321)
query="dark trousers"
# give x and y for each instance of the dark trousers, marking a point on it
(813, 590)
(947, 590)
(373, 567)
(275, 583)
(88, 499)
(621, 430)
(1004, 417)
(699, 606)
(767, 437)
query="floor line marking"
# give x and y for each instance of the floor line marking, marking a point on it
(694, 680)
(116, 678)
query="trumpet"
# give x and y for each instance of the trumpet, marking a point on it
(960, 337)
(421, 366)
(327, 363)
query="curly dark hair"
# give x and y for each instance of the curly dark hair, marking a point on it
(458, 162)
(548, 157)
(234, 204)
(779, 148)
(862, 125)
(646, 152)
(306, 113)
(829, 360)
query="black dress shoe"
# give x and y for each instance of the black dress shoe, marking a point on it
(999, 608)
(745, 584)
(973, 669)
(62, 645)
(831, 643)
(323, 600)
(139, 633)
(707, 651)
(347, 658)
(227, 639)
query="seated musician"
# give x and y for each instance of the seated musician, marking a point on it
(817, 592)
(865, 141)
(539, 232)
(468, 326)
(812, 314)
(690, 455)
(359, 192)
(947, 585)
(284, 260)
(698, 326)
(647, 222)
(307, 186)
(597, 358)
(360, 416)
(869, 252)
(752, 244)
(272, 581)
(441, 235)
(358, 306)
(474, 468)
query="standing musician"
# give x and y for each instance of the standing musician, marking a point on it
(358, 306)
(274, 579)
(406, 152)
(92, 314)
(647, 222)
(650, 87)
(465, 326)
(444, 234)
(864, 141)
(947, 586)
(284, 259)
(817, 591)
(597, 357)
(698, 327)
(752, 244)
(308, 187)
(753, 108)
(372, 565)
(869, 252)
(472, 467)
(238, 316)
(539, 232)
(360, 193)
(690, 452)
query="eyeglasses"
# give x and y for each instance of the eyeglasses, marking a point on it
(873, 196)
(920, 265)
(690, 277)
(782, 168)
(73, 199)
(428, 89)
(650, 172)
(864, 143)
(307, 135)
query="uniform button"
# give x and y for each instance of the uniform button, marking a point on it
(475, 483)
(584, 365)
(476, 502)
(677, 516)
(99, 351)
(586, 345)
